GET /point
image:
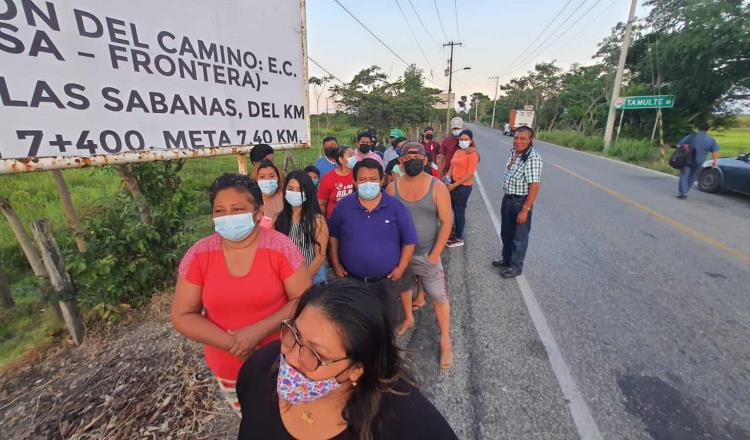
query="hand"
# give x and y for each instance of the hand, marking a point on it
(714, 164)
(246, 341)
(433, 259)
(451, 186)
(339, 271)
(397, 273)
(522, 216)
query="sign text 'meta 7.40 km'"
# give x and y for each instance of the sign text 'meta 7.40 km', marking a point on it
(641, 102)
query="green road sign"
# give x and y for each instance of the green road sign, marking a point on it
(638, 102)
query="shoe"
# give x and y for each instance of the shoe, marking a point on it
(682, 196)
(500, 263)
(510, 273)
(456, 242)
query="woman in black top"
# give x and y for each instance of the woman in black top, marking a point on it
(335, 374)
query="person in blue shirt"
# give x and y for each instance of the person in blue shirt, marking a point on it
(327, 163)
(372, 237)
(702, 144)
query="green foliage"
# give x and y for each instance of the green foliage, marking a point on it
(128, 260)
(572, 139)
(634, 150)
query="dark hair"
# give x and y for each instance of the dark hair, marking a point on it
(259, 152)
(310, 208)
(330, 138)
(702, 125)
(527, 129)
(311, 169)
(427, 128)
(467, 132)
(368, 340)
(368, 163)
(340, 153)
(239, 182)
(267, 164)
(364, 134)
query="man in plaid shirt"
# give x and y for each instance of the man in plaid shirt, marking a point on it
(523, 174)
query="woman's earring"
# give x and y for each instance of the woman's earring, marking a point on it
(354, 383)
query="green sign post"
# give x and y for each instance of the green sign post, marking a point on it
(641, 102)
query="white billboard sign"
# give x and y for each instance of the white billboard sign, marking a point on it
(92, 77)
(445, 101)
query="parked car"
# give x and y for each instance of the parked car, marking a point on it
(731, 174)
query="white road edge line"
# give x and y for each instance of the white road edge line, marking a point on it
(584, 421)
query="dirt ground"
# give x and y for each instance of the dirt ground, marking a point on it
(138, 380)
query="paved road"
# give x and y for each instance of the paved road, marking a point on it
(646, 300)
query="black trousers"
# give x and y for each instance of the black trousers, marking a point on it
(515, 237)
(389, 293)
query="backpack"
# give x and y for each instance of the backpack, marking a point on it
(683, 155)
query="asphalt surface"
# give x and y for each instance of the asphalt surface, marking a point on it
(646, 297)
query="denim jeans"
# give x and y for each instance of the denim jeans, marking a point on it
(515, 237)
(688, 176)
(459, 199)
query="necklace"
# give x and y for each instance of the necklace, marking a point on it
(307, 417)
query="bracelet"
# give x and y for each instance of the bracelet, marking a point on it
(528, 209)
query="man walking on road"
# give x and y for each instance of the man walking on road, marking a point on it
(429, 204)
(702, 144)
(372, 237)
(523, 174)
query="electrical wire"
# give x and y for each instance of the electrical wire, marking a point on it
(575, 37)
(415, 37)
(440, 20)
(422, 23)
(455, 13)
(325, 70)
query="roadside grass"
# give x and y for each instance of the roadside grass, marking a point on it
(34, 196)
(732, 141)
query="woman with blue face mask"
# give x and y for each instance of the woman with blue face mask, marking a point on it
(336, 373)
(271, 186)
(303, 222)
(235, 286)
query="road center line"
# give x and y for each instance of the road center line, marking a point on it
(584, 421)
(663, 218)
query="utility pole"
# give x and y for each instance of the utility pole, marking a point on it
(450, 85)
(618, 77)
(494, 105)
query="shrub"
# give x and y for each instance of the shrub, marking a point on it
(634, 150)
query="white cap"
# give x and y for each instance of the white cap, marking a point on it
(457, 122)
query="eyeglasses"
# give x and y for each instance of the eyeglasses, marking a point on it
(308, 357)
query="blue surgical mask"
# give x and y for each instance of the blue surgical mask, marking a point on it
(368, 190)
(351, 161)
(295, 198)
(456, 133)
(268, 186)
(464, 144)
(316, 182)
(234, 227)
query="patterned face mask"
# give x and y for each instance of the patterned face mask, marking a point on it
(295, 388)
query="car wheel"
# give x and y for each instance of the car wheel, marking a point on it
(709, 180)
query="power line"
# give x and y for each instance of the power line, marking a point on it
(421, 22)
(440, 20)
(571, 26)
(415, 37)
(598, 16)
(325, 70)
(372, 33)
(455, 13)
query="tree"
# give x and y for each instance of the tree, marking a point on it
(6, 300)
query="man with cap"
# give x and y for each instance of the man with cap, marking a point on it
(450, 145)
(364, 148)
(431, 149)
(261, 152)
(392, 166)
(397, 139)
(428, 201)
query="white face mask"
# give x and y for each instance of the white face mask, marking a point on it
(456, 133)
(464, 144)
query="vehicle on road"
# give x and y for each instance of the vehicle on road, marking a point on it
(731, 174)
(518, 118)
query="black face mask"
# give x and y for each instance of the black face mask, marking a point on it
(331, 152)
(428, 137)
(413, 167)
(365, 148)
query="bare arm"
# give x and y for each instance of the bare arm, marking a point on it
(187, 306)
(715, 158)
(445, 213)
(391, 189)
(531, 198)
(337, 267)
(321, 241)
(323, 204)
(407, 251)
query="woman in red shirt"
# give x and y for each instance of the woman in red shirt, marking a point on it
(338, 184)
(236, 286)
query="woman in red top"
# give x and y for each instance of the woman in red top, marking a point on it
(338, 184)
(236, 286)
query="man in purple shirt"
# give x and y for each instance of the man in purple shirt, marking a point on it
(372, 237)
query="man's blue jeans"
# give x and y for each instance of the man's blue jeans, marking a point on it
(688, 175)
(515, 237)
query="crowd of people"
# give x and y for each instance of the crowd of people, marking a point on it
(299, 295)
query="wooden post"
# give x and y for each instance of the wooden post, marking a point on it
(23, 238)
(70, 213)
(242, 163)
(59, 278)
(289, 164)
(126, 172)
(6, 300)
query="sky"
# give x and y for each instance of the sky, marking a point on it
(502, 38)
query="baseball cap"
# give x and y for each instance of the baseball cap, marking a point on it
(412, 148)
(457, 122)
(396, 133)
